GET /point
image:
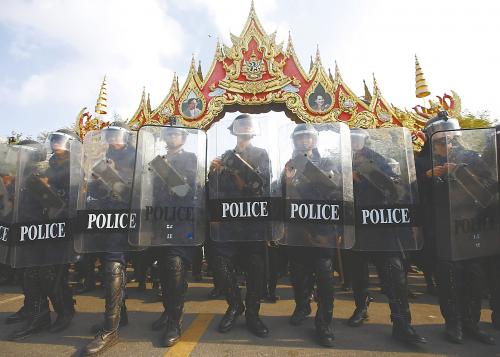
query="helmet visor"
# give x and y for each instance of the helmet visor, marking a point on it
(59, 141)
(115, 135)
(246, 126)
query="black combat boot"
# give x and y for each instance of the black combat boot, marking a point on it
(55, 282)
(226, 280)
(18, 316)
(300, 280)
(453, 332)
(176, 293)
(360, 314)
(396, 288)
(255, 279)
(38, 320)
(324, 315)
(115, 288)
(123, 320)
(161, 322)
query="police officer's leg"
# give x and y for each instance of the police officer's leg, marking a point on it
(175, 296)
(114, 283)
(471, 308)
(451, 284)
(255, 282)
(357, 263)
(161, 322)
(300, 273)
(54, 282)
(23, 313)
(396, 289)
(227, 283)
(38, 306)
(323, 268)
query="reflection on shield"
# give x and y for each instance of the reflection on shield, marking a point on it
(316, 178)
(385, 190)
(45, 208)
(104, 216)
(466, 202)
(244, 188)
(169, 187)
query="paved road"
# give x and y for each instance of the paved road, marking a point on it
(201, 339)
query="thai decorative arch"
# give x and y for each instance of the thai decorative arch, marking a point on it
(256, 75)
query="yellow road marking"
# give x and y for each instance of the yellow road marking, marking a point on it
(11, 299)
(190, 337)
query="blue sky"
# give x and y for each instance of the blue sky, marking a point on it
(55, 52)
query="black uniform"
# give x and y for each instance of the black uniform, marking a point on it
(49, 281)
(174, 260)
(390, 264)
(251, 253)
(461, 283)
(114, 260)
(309, 262)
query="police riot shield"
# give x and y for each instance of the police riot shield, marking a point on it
(385, 190)
(45, 206)
(243, 200)
(316, 176)
(8, 171)
(465, 193)
(104, 216)
(169, 187)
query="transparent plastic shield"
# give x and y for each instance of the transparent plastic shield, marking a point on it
(169, 187)
(104, 217)
(244, 189)
(45, 208)
(8, 172)
(385, 191)
(316, 176)
(465, 193)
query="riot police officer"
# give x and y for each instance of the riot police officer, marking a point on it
(108, 188)
(310, 256)
(376, 183)
(44, 280)
(460, 276)
(174, 259)
(230, 240)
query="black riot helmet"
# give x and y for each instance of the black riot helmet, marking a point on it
(35, 151)
(244, 125)
(61, 139)
(440, 123)
(304, 131)
(169, 136)
(117, 133)
(359, 138)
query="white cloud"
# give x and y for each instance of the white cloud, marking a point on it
(127, 40)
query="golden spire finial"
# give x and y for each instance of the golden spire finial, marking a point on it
(318, 57)
(101, 106)
(330, 74)
(368, 95)
(311, 64)
(421, 88)
(376, 89)
(200, 73)
(337, 72)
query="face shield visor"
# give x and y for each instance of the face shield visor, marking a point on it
(58, 141)
(245, 127)
(114, 135)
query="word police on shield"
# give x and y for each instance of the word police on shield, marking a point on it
(116, 220)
